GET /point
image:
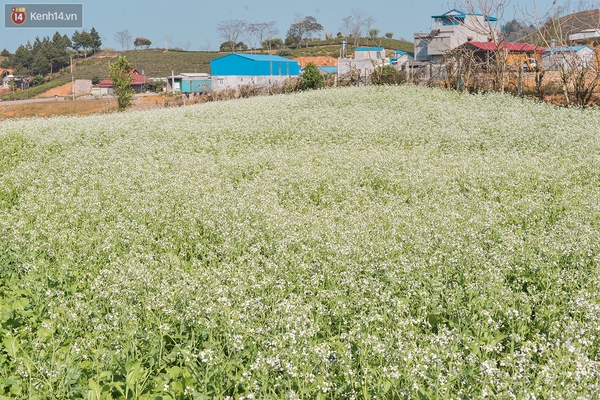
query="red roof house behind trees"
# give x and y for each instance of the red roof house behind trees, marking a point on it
(137, 81)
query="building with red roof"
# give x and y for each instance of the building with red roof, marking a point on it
(516, 54)
(137, 83)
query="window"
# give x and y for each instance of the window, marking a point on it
(221, 81)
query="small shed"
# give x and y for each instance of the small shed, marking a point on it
(235, 70)
(189, 82)
(568, 57)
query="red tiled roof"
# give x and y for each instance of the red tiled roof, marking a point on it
(510, 46)
(136, 79)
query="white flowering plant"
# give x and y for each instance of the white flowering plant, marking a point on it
(375, 242)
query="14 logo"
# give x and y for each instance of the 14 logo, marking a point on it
(18, 15)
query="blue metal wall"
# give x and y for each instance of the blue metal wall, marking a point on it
(195, 86)
(253, 65)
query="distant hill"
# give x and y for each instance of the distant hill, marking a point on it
(560, 28)
(158, 63)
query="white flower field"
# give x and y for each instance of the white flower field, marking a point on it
(354, 243)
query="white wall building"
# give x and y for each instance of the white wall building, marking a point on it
(449, 31)
(565, 58)
(361, 67)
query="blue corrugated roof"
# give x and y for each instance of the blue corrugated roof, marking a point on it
(566, 48)
(259, 57)
(368, 48)
(459, 13)
(329, 69)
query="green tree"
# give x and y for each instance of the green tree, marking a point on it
(303, 29)
(76, 42)
(59, 55)
(40, 65)
(389, 35)
(142, 41)
(373, 33)
(23, 57)
(120, 73)
(275, 43)
(96, 42)
(87, 42)
(311, 78)
(5, 53)
(38, 80)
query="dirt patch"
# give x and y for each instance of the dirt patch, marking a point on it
(321, 61)
(61, 107)
(61, 91)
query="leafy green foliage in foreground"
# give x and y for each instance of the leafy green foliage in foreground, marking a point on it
(390, 242)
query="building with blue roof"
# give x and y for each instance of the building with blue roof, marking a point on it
(361, 67)
(235, 70)
(450, 30)
(402, 57)
(568, 57)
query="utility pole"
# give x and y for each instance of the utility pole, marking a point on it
(166, 43)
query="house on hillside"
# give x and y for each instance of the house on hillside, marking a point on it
(585, 34)
(451, 30)
(568, 57)
(106, 87)
(235, 70)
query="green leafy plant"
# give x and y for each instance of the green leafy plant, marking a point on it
(311, 78)
(120, 73)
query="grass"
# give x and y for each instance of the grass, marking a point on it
(36, 90)
(390, 242)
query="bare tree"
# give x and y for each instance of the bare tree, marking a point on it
(357, 24)
(578, 68)
(492, 12)
(206, 46)
(252, 34)
(231, 30)
(124, 38)
(265, 32)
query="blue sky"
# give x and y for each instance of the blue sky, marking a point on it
(191, 24)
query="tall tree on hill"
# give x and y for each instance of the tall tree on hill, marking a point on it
(75, 42)
(87, 42)
(231, 30)
(302, 29)
(96, 41)
(142, 41)
(124, 38)
(120, 73)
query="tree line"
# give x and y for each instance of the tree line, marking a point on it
(357, 25)
(49, 55)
